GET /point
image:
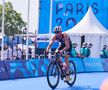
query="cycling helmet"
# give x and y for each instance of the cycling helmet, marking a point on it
(57, 29)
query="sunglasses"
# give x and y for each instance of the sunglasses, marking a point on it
(57, 32)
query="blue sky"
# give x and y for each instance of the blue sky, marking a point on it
(21, 7)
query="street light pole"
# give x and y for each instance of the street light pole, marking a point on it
(3, 12)
(50, 24)
(28, 14)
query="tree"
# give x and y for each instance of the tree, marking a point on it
(13, 21)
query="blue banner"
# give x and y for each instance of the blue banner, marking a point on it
(26, 68)
(79, 64)
(67, 13)
(3, 71)
(17, 69)
(93, 64)
(105, 64)
(36, 67)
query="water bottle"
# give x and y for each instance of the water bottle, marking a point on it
(64, 67)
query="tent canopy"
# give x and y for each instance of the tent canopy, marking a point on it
(88, 25)
(93, 32)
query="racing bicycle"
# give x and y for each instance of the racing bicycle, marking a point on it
(55, 72)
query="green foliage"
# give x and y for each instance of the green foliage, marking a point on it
(13, 20)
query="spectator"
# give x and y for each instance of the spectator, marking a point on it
(5, 52)
(23, 54)
(74, 52)
(87, 50)
(9, 53)
(103, 53)
(33, 53)
(107, 51)
(19, 57)
(29, 52)
(14, 52)
(82, 50)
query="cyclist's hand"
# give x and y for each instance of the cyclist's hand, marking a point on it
(56, 51)
(46, 51)
(61, 52)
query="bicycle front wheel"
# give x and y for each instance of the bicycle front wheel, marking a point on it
(72, 73)
(53, 75)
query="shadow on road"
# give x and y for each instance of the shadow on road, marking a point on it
(78, 88)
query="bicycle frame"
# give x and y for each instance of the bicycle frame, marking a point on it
(58, 65)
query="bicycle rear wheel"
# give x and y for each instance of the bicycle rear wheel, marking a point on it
(53, 75)
(72, 73)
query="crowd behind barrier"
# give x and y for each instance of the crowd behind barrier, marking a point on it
(38, 67)
(15, 52)
(85, 50)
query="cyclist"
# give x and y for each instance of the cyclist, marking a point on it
(64, 45)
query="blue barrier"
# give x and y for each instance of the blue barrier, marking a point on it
(93, 64)
(35, 67)
(3, 71)
(105, 64)
(16, 69)
(79, 64)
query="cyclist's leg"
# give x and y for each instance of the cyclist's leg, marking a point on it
(59, 57)
(67, 67)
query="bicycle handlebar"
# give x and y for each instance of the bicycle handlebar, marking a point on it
(56, 53)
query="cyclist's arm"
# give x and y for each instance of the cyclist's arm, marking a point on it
(66, 39)
(51, 42)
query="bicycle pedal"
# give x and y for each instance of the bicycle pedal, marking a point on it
(65, 81)
(62, 78)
